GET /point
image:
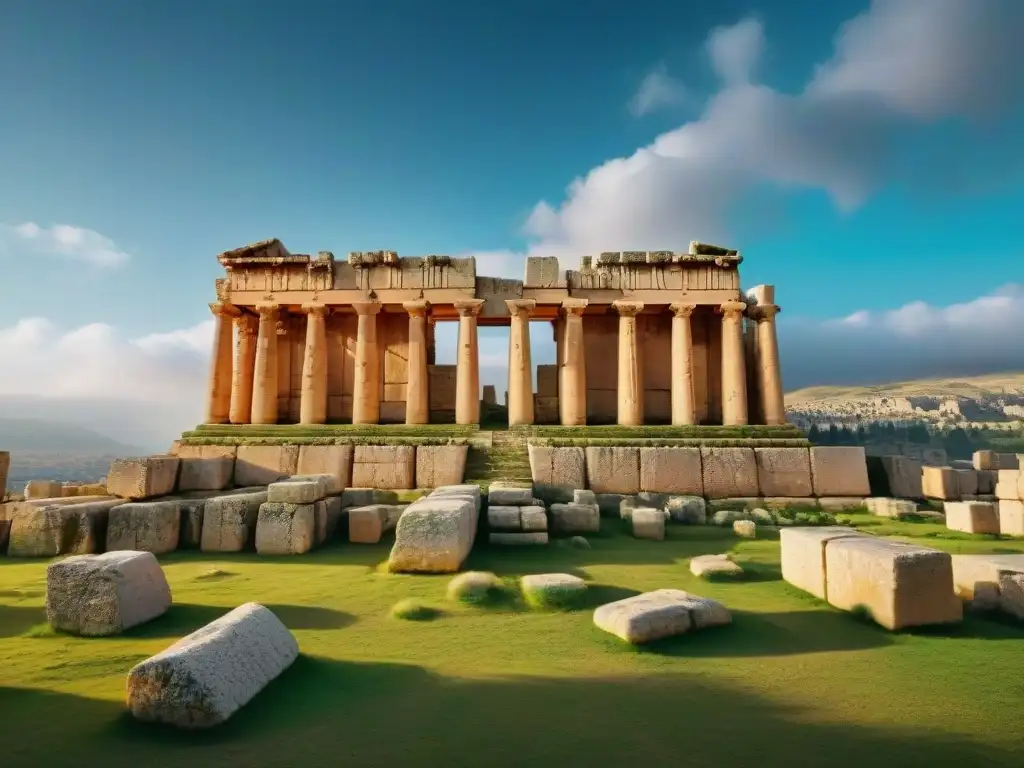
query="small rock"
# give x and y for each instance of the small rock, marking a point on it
(747, 529)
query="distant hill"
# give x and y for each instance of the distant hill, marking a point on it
(39, 436)
(992, 385)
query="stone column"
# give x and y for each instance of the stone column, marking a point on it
(769, 372)
(572, 390)
(245, 362)
(366, 389)
(313, 402)
(734, 370)
(520, 376)
(264, 385)
(467, 374)
(631, 375)
(218, 408)
(417, 390)
(683, 406)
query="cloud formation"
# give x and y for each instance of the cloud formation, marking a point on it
(63, 241)
(658, 89)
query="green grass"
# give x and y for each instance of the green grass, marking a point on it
(790, 682)
(414, 610)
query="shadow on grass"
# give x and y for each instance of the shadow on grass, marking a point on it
(332, 553)
(184, 618)
(16, 620)
(320, 710)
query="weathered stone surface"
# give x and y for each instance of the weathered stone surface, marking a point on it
(785, 502)
(384, 466)
(671, 470)
(659, 614)
(840, 503)
(558, 467)
(439, 465)
(904, 474)
(552, 589)
(357, 497)
(145, 526)
(190, 530)
(205, 677)
(434, 535)
(803, 556)
(609, 504)
(334, 460)
(726, 517)
(761, 517)
(648, 523)
(1011, 517)
(575, 518)
(714, 565)
(97, 595)
(901, 585)
(691, 510)
(972, 516)
(330, 516)
(940, 483)
(613, 469)
(265, 464)
(935, 457)
(1008, 485)
(143, 478)
(229, 522)
(742, 502)
(985, 460)
(533, 518)
(729, 472)
(42, 489)
(65, 529)
(510, 497)
(302, 489)
(582, 496)
(839, 470)
(285, 529)
(967, 482)
(504, 518)
(468, 490)
(514, 539)
(206, 474)
(979, 580)
(987, 481)
(886, 507)
(746, 529)
(784, 471)
(366, 524)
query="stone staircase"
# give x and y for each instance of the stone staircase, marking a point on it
(503, 457)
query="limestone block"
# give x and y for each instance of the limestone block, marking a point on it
(972, 516)
(626, 507)
(581, 496)
(714, 565)
(940, 483)
(562, 467)
(204, 678)
(659, 614)
(284, 528)
(212, 474)
(469, 490)
(741, 502)
(904, 474)
(42, 489)
(384, 466)
(893, 508)
(803, 556)
(987, 481)
(547, 381)
(438, 465)
(366, 524)
(554, 590)
(613, 469)
(1010, 460)
(839, 471)
(691, 510)
(229, 522)
(504, 518)
(901, 585)
(840, 503)
(357, 497)
(608, 503)
(745, 529)
(333, 460)
(546, 410)
(505, 497)
(729, 472)
(265, 464)
(784, 471)
(575, 518)
(143, 478)
(96, 595)
(985, 460)
(534, 519)
(302, 489)
(967, 482)
(648, 523)
(671, 470)
(1008, 484)
(543, 272)
(434, 535)
(1011, 517)
(190, 516)
(535, 537)
(330, 514)
(65, 529)
(145, 526)
(976, 578)
(726, 517)
(785, 502)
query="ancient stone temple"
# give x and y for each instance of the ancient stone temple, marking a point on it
(642, 338)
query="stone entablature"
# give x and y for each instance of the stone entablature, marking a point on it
(318, 339)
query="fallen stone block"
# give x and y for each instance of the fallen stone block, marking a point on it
(204, 678)
(1008, 485)
(213, 474)
(659, 614)
(357, 497)
(839, 471)
(392, 514)
(726, 517)
(509, 497)
(333, 460)
(146, 526)
(330, 515)
(940, 483)
(143, 478)
(434, 535)
(689, 510)
(514, 539)
(468, 490)
(904, 476)
(575, 518)
(534, 519)
(265, 464)
(671, 470)
(1011, 517)
(384, 466)
(66, 529)
(784, 472)
(803, 556)
(302, 489)
(900, 585)
(229, 522)
(648, 523)
(714, 566)
(892, 508)
(553, 590)
(761, 517)
(972, 516)
(729, 472)
(283, 528)
(366, 524)
(96, 595)
(613, 469)
(581, 496)
(745, 529)
(558, 467)
(42, 489)
(626, 507)
(990, 582)
(504, 518)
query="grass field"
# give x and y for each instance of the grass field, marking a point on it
(790, 683)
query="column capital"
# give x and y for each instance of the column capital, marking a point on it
(316, 309)
(682, 310)
(366, 307)
(732, 309)
(628, 308)
(268, 310)
(574, 307)
(520, 307)
(246, 323)
(224, 309)
(416, 308)
(763, 313)
(468, 307)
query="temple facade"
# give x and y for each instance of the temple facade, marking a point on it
(642, 338)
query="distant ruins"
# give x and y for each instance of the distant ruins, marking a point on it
(642, 338)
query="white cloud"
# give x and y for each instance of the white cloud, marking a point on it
(735, 50)
(658, 89)
(63, 241)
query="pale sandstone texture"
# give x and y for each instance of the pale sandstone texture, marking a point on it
(534, 518)
(439, 465)
(886, 507)
(42, 489)
(613, 470)
(901, 585)
(985, 460)
(384, 466)
(1011, 517)
(229, 522)
(334, 460)
(761, 517)
(746, 529)
(690, 510)
(904, 475)
(501, 496)
(204, 678)
(285, 529)
(967, 482)
(940, 483)
(67, 529)
(206, 474)
(265, 464)
(583, 496)
(659, 614)
(1010, 485)
(803, 556)
(434, 534)
(648, 523)
(671, 470)
(534, 537)
(575, 518)
(143, 478)
(714, 565)
(302, 489)
(367, 524)
(972, 516)
(468, 490)
(504, 518)
(329, 516)
(552, 590)
(839, 471)
(784, 471)
(558, 467)
(990, 582)
(728, 472)
(97, 595)
(147, 526)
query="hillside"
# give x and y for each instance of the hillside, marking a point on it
(40, 436)
(971, 387)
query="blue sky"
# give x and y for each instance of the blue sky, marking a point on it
(857, 170)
